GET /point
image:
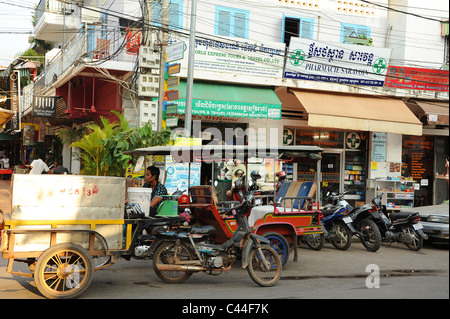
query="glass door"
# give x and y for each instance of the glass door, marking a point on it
(331, 168)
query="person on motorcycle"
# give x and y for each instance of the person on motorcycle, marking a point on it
(281, 176)
(254, 175)
(158, 189)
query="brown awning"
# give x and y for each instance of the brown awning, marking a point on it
(436, 113)
(373, 114)
(5, 116)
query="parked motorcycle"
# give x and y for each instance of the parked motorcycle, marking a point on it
(338, 227)
(399, 227)
(182, 251)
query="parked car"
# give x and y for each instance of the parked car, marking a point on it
(434, 220)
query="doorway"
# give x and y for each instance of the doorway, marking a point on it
(331, 178)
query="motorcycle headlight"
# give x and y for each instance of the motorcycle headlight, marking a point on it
(438, 219)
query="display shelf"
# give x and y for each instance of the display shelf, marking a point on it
(355, 176)
(289, 170)
(398, 194)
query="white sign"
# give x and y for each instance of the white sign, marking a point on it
(337, 62)
(175, 52)
(238, 56)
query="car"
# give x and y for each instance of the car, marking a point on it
(434, 219)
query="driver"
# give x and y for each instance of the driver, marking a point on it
(158, 189)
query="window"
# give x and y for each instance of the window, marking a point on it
(360, 30)
(232, 22)
(175, 14)
(296, 27)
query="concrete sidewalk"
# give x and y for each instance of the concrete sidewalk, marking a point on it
(5, 200)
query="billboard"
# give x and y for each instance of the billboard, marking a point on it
(337, 62)
(401, 77)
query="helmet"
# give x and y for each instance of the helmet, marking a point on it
(281, 175)
(184, 200)
(239, 173)
(255, 175)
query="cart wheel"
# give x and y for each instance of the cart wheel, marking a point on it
(279, 244)
(64, 271)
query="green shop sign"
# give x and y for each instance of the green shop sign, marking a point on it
(231, 101)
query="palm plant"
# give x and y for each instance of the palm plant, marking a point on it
(103, 146)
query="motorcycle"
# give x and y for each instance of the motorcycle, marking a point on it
(143, 227)
(366, 218)
(339, 228)
(399, 227)
(182, 251)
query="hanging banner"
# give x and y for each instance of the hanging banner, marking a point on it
(337, 62)
(28, 135)
(14, 124)
(44, 106)
(134, 38)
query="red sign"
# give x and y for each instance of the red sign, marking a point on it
(172, 95)
(417, 79)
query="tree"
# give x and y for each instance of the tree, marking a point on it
(104, 143)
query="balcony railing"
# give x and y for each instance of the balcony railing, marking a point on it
(52, 6)
(91, 45)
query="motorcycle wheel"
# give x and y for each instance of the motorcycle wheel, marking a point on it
(257, 270)
(345, 235)
(279, 244)
(165, 254)
(314, 241)
(417, 243)
(371, 235)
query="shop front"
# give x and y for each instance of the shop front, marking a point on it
(342, 124)
(343, 165)
(233, 115)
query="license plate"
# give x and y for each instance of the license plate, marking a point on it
(417, 226)
(347, 220)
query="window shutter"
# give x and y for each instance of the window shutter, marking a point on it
(174, 15)
(306, 30)
(224, 23)
(240, 21)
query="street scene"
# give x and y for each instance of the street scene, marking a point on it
(252, 152)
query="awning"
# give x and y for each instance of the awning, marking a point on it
(228, 100)
(5, 116)
(436, 113)
(351, 112)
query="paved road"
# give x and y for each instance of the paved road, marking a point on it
(328, 273)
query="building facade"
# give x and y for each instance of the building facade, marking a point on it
(365, 80)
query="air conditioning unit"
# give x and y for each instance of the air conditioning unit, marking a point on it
(148, 58)
(148, 85)
(149, 113)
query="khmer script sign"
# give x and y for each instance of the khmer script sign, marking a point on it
(337, 62)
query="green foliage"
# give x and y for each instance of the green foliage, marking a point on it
(103, 145)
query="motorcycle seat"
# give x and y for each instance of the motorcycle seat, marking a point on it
(328, 212)
(161, 221)
(202, 230)
(397, 216)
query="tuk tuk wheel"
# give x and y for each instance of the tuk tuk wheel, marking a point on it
(279, 244)
(64, 271)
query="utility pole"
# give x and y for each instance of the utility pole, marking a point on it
(190, 75)
(147, 28)
(164, 38)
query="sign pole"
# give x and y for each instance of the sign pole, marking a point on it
(190, 75)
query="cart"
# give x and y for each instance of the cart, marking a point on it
(66, 227)
(282, 222)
